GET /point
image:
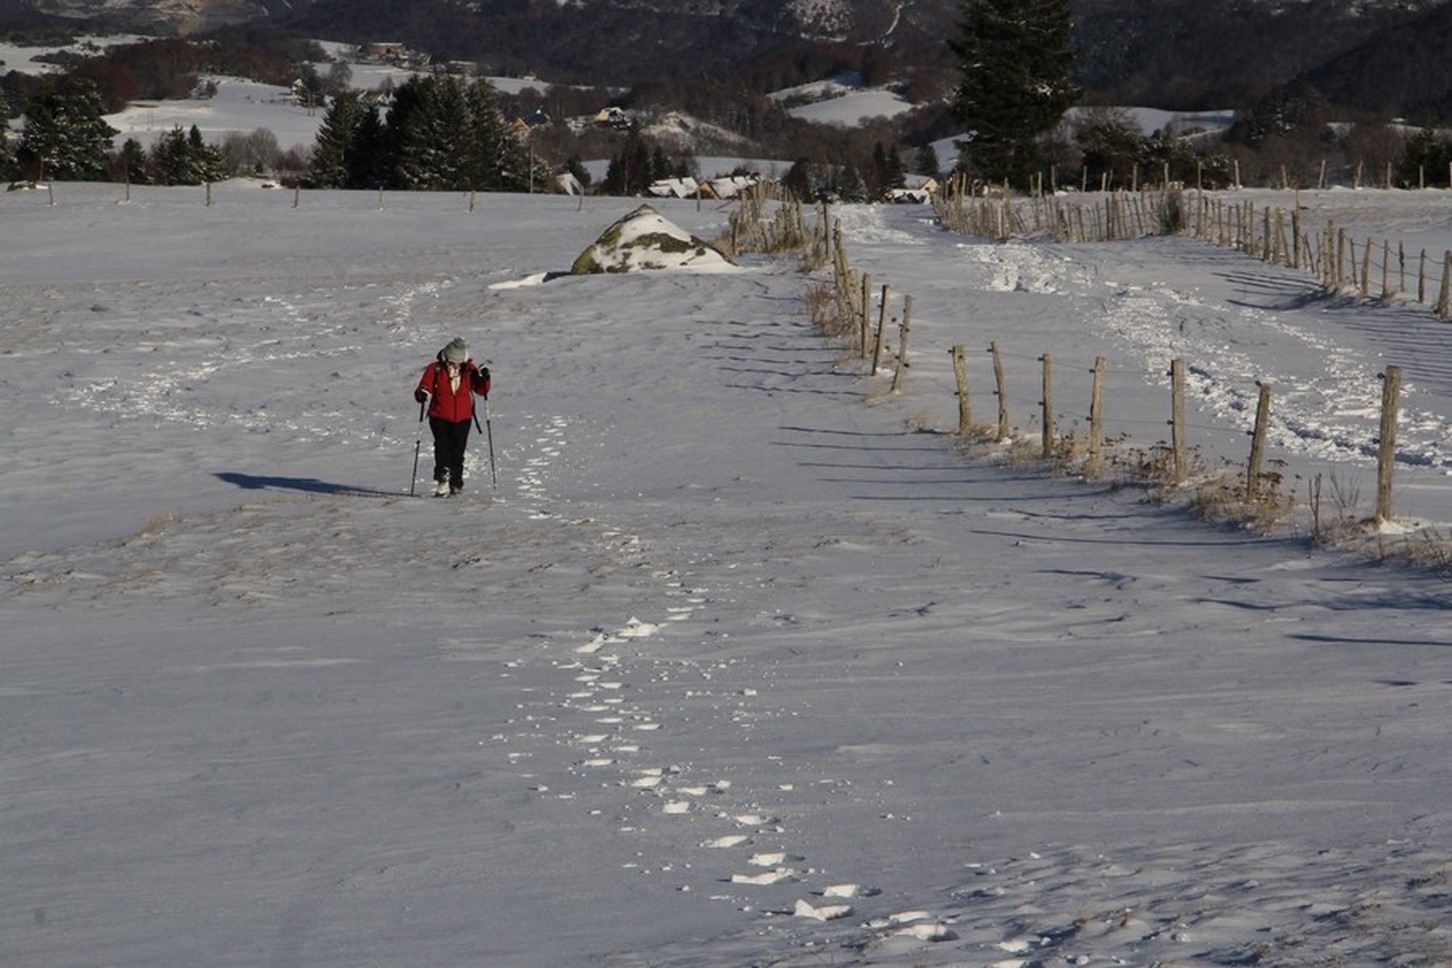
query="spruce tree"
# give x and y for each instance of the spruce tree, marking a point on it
(171, 159)
(925, 162)
(1015, 61)
(334, 142)
(413, 127)
(133, 162)
(206, 160)
(368, 155)
(66, 135)
(499, 163)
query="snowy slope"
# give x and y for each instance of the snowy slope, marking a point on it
(742, 662)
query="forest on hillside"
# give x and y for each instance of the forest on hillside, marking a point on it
(1324, 104)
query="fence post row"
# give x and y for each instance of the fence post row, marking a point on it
(1233, 226)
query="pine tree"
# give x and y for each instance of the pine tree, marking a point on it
(335, 139)
(368, 156)
(66, 136)
(500, 163)
(133, 162)
(206, 160)
(412, 129)
(1015, 60)
(850, 187)
(925, 162)
(171, 159)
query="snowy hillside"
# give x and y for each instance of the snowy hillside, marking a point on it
(742, 662)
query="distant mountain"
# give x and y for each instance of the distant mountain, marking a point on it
(1176, 54)
(137, 16)
(1401, 71)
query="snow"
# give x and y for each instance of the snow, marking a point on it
(843, 101)
(742, 661)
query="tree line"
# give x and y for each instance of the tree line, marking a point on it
(1015, 87)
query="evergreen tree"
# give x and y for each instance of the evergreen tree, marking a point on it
(925, 161)
(206, 160)
(629, 171)
(850, 187)
(660, 166)
(132, 162)
(1110, 143)
(9, 170)
(500, 163)
(1427, 158)
(368, 157)
(411, 127)
(171, 159)
(800, 180)
(66, 136)
(875, 183)
(1014, 59)
(333, 146)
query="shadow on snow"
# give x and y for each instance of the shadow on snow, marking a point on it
(309, 485)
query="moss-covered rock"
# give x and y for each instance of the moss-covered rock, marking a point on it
(643, 239)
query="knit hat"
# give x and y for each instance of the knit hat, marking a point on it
(456, 352)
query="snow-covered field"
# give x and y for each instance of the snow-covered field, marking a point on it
(741, 662)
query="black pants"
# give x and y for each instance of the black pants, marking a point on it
(450, 441)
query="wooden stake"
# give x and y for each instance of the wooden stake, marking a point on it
(1177, 419)
(960, 376)
(1096, 421)
(1002, 394)
(1391, 392)
(902, 345)
(1257, 441)
(881, 331)
(1048, 402)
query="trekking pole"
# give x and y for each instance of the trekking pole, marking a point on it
(488, 436)
(417, 444)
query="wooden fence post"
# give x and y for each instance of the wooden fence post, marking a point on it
(1096, 421)
(1257, 441)
(902, 344)
(1177, 419)
(1048, 402)
(881, 330)
(1296, 233)
(1002, 393)
(1391, 392)
(1446, 292)
(865, 307)
(960, 376)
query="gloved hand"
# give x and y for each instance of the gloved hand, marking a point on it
(485, 380)
(420, 395)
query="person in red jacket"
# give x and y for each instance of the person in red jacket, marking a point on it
(450, 383)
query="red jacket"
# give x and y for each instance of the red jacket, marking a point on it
(446, 403)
